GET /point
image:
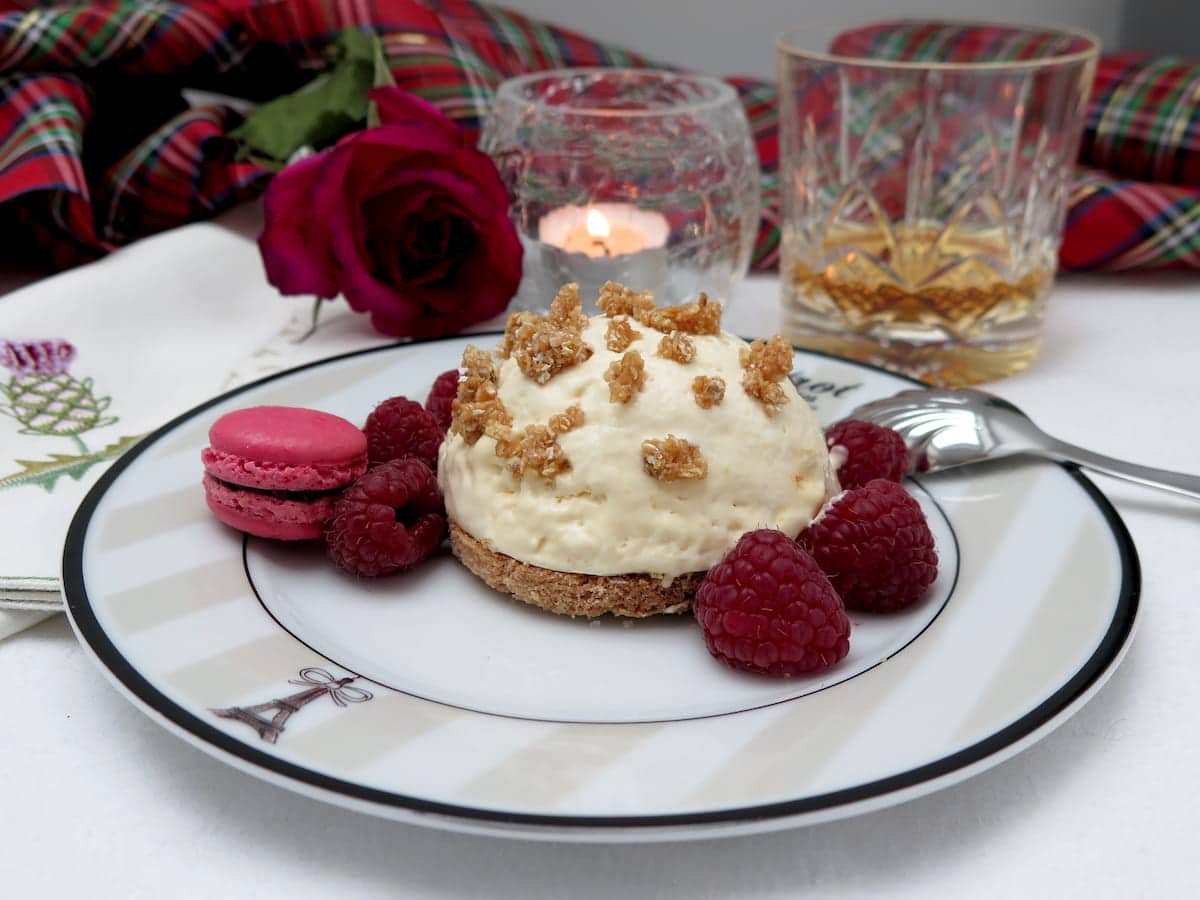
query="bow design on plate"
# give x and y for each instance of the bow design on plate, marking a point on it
(334, 687)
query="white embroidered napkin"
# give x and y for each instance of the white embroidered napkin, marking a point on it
(98, 356)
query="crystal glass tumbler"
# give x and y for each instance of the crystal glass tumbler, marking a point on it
(640, 176)
(924, 170)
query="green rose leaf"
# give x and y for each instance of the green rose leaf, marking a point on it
(382, 78)
(331, 105)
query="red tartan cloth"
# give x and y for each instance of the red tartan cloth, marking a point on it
(98, 146)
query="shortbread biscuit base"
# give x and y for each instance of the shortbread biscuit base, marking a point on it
(570, 593)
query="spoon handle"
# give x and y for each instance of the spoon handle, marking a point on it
(1175, 482)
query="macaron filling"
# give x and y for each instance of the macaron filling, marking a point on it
(302, 496)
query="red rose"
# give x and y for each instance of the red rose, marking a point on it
(405, 220)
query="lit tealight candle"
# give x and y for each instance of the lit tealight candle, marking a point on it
(593, 244)
(604, 230)
(597, 237)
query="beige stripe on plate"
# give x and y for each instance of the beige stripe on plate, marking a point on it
(544, 772)
(237, 676)
(803, 738)
(792, 749)
(306, 389)
(1062, 631)
(148, 518)
(165, 599)
(361, 733)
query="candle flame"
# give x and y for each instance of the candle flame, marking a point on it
(597, 224)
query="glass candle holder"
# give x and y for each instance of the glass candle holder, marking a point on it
(639, 176)
(924, 172)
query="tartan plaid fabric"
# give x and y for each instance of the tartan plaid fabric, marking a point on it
(904, 41)
(1115, 224)
(98, 148)
(1144, 119)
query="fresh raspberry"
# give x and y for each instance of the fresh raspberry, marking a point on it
(767, 607)
(400, 428)
(441, 397)
(390, 519)
(875, 545)
(872, 451)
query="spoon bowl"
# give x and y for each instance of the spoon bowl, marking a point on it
(944, 429)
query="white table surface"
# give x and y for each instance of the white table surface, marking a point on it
(99, 801)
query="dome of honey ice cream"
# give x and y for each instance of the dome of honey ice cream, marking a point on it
(642, 440)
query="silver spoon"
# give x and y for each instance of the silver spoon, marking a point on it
(948, 428)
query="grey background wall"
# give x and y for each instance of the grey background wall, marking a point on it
(738, 36)
(1162, 26)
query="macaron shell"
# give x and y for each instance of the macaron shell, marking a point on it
(285, 448)
(279, 476)
(287, 434)
(267, 516)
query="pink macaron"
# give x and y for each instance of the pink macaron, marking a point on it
(275, 471)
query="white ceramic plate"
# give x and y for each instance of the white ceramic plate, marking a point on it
(429, 698)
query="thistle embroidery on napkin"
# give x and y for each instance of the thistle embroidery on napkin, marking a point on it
(46, 400)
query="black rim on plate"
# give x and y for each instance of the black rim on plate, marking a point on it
(128, 677)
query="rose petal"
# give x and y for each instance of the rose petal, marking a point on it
(484, 281)
(378, 167)
(407, 138)
(385, 186)
(485, 175)
(492, 275)
(459, 237)
(479, 288)
(294, 243)
(383, 219)
(388, 217)
(397, 106)
(406, 323)
(334, 202)
(488, 279)
(399, 184)
(398, 226)
(362, 290)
